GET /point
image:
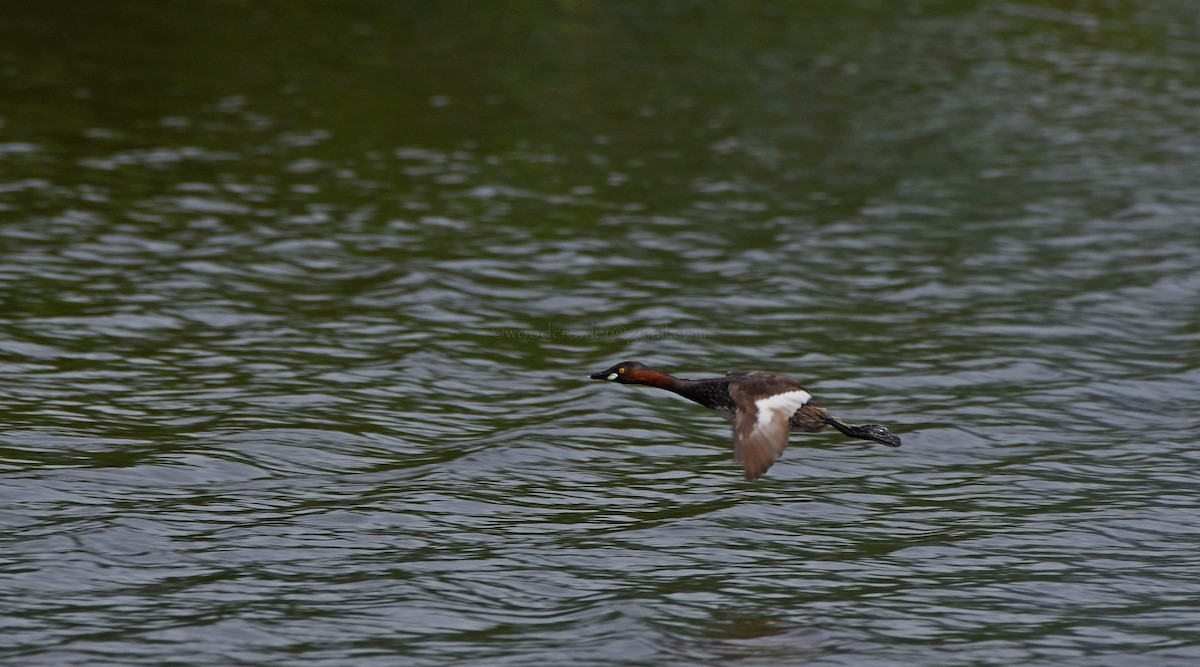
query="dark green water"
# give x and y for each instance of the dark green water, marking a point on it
(297, 301)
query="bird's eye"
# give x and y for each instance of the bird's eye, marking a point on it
(621, 369)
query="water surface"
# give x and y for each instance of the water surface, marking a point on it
(299, 303)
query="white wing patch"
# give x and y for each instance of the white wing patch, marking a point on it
(769, 408)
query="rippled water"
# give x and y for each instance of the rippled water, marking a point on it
(298, 306)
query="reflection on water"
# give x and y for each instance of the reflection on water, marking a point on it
(299, 305)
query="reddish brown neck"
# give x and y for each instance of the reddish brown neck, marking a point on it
(653, 378)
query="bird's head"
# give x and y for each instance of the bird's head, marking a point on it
(623, 373)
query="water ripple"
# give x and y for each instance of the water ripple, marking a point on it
(285, 394)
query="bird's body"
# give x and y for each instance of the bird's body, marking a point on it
(764, 408)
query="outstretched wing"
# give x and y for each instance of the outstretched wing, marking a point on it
(761, 430)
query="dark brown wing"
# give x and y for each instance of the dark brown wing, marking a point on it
(761, 430)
